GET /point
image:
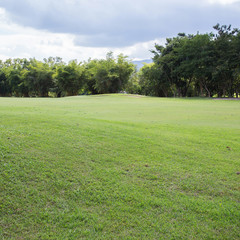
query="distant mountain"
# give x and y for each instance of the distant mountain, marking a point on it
(141, 63)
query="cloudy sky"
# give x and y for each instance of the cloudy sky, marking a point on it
(80, 29)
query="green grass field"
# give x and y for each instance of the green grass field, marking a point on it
(119, 167)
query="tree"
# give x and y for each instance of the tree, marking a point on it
(14, 72)
(125, 68)
(111, 74)
(197, 63)
(89, 76)
(133, 86)
(5, 89)
(69, 78)
(169, 61)
(236, 61)
(38, 78)
(225, 59)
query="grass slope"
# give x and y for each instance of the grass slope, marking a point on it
(119, 167)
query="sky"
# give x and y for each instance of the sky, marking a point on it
(83, 29)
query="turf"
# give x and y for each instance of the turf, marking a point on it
(119, 167)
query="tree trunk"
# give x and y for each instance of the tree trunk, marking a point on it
(209, 94)
(201, 89)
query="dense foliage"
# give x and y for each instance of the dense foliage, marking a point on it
(195, 65)
(22, 77)
(188, 65)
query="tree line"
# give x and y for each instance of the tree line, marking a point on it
(195, 65)
(25, 78)
(188, 65)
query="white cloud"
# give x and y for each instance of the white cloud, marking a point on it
(24, 42)
(79, 29)
(140, 51)
(224, 2)
(115, 23)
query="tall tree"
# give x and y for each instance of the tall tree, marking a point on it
(14, 72)
(112, 74)
(5, 89)
(38, 78)
(70, 78)
(169, 60)
(225, 59)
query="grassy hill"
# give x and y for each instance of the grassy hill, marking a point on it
(119, 167)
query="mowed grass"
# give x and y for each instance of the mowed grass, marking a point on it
(119, 167)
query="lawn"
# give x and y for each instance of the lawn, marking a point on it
(119, 167)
